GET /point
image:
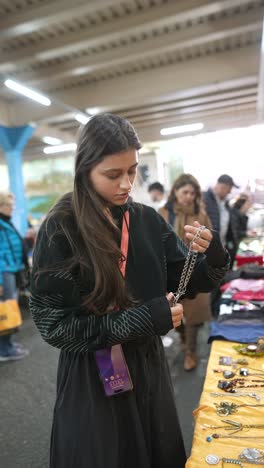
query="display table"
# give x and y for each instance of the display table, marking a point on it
(206, 412)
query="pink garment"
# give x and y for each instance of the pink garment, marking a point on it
(241, 284)
(249, 295)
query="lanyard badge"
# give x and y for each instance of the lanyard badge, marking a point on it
(111, 362)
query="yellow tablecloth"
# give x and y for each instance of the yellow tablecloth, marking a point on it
(206, 414)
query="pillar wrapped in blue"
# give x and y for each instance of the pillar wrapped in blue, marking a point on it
(13, 141)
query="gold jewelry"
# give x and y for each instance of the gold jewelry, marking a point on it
(234, 426)
(225, 408)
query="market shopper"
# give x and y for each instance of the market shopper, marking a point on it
(82, 304)
(156, 192)
(184, 206)
(13, 259)
(218, 209)
(239, 222)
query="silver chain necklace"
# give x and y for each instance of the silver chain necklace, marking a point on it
(188, 267)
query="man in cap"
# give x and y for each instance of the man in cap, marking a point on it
(217, 208)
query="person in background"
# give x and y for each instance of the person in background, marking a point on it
(157, 194)
(239, 222)
(218, 210)
(217, 207)
(84, 305)
(13, 259)
(184, 206)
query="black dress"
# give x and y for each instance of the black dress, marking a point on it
(135, 429)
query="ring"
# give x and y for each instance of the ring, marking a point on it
(212, 459)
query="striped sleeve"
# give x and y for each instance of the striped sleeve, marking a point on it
(57, 310)
(64, 327)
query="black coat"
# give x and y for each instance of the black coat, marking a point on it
(135, 429)
(211, 208)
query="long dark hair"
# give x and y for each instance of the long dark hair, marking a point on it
(94, 240)
(181, 181)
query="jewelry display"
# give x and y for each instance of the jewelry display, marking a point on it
(238, 381)
(234, 426)
(229, 385)
(248, 455)
(214, 460)
(225, 408)
(188, 267)
(224, 436)
(252, 455)
(251, 349)
(243, 371)
(236, 393)
(227, 374)
(228, 361)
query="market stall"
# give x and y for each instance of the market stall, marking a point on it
(229, 422)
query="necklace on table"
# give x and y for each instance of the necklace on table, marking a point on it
(234, 426)
(230, 385)
(225, 408)
(236, 393)
(249, 455)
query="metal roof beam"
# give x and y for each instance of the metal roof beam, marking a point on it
(169, 83)
(40, 16)
(193, 101)
(199, 35)
(141, 22)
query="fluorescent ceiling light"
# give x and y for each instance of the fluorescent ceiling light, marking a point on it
(182, 129)
(93, 110)
(21, 89)
(51, 140)
(82, 118)
(60, 148)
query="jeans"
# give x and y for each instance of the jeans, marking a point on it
(9, 292)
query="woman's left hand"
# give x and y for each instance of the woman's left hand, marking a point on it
(201, 244)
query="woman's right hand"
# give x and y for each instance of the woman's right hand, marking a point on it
(1, 291)
(176, 311)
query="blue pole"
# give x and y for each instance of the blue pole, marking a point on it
(13, 141)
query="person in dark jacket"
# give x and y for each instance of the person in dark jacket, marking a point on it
(239, 222)
(12, 260)
(218, 210)
(91, 294)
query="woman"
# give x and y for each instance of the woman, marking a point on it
(83, 304)
(13, 260)
(184, 206)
